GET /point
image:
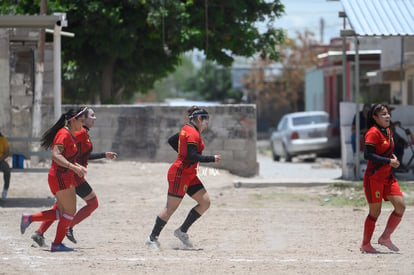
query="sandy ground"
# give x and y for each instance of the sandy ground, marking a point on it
(270, 230)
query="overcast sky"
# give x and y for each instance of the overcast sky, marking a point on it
(307, 14)
(301, 15)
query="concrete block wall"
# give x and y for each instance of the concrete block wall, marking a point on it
(4, 81)
(141, 133)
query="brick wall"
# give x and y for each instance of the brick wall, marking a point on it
(141, 133)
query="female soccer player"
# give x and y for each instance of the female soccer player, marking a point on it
(60, 137)
(182, 178)
(379, 182)
(83, 189)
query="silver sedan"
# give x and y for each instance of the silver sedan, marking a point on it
(304, 133)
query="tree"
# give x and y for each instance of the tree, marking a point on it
(172, 85)
(211, 83)
(124, 46)
(278, 88)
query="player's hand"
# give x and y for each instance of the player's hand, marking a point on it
(217, 158)
(394, 162)
(80, 170)
(111, 155)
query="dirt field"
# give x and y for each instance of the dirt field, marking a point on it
(271, 230)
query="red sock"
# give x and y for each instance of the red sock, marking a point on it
(392, 223)
(48, 215)
(62, 228)
(369, 227)
(85, 211)
(46, 224)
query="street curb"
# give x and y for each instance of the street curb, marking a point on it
(261, 183)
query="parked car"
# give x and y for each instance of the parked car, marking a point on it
(304, 133)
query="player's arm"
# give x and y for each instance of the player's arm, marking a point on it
(370, 154)
(193, 156)
(108, 155)
(173, 141)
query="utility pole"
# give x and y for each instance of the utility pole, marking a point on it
(38, 91)
(322, 28)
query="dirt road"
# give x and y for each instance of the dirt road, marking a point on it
(273, 230)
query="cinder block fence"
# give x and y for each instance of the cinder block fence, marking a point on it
(139, 132)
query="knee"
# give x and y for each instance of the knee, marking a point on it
(375, 212)
(93, 203)
(400, 209)
(205, 203)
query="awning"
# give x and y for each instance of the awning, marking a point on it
(26, 21)
(380, 17)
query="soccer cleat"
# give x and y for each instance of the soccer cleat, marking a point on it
(25, 222)
(183, 237)
(70, 235)
(38, 238)
(153, 243)
(60, 247)
(4, 194)
(388, 244)
(367, 248)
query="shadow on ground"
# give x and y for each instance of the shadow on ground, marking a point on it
(27, 202)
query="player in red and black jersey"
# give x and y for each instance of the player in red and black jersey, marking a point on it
(379, 181)
(83, 189)
(60, 137)
(182, 177)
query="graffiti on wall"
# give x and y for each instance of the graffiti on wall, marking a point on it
(242, 127)
(137, 135)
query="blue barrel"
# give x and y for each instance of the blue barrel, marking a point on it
(18, 161)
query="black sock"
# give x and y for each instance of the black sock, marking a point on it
(158, 226)
(191, 218)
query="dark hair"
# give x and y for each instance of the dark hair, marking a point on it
(47, 138)
(195, 111)
(366, 106)
(375, 109)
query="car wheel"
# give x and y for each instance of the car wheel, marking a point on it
(275, 157)
(288, 157)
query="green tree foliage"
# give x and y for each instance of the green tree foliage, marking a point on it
(173, 85)
(211, 83)
(124, 46)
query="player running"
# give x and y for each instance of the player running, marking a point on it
(83, 189)
(182, 177)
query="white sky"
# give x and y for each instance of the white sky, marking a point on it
(301, 15)
(307, 14)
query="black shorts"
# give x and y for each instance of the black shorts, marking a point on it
(194, 189)
(84, 189)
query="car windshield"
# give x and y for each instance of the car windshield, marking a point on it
(305, 120)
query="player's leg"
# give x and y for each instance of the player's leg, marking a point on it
(374, 190)
(37, 236)
(177, 185)
(5, 168)
(85, 191)
(369, 227)
(200, 195)
(393, 221)
(162, 219)
(47, 215)
(66, 201)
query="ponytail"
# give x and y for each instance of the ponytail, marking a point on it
(47, 138)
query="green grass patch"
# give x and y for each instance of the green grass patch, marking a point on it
(263, 199)
(352, 194)
(340, 194)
